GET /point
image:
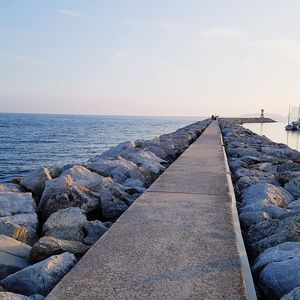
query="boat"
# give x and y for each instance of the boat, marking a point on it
(295, 125)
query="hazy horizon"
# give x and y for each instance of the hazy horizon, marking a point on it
(164, 58)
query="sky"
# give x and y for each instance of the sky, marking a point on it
(149, 57)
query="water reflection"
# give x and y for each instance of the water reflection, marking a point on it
(277, 133)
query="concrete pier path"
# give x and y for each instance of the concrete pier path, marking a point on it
(179, 240)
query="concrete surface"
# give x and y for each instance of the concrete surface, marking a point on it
(177, 241)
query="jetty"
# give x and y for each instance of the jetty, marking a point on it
(180, 240)
(249, 120)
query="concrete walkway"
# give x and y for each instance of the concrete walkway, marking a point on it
(177, 241)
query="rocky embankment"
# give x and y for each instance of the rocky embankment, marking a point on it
(55, 214)
(266, 178)
(248, 120)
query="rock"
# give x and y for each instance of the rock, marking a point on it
(11, 187)
(14, 256)
(62, 193)
(293, 295)
(249, 218)
(67, 224)
(280, 277)
(289, 166)
(17, 216)
(22, 227)
(279, 253)
(119, 169)
(250, 160)
(111, 207)
(236, 163)
(273, 232)
(94, 229)
(12, 203)
(293, 186)
(14, 296)
(114, 151)
(41, 277)
(285, 152)
(266, 167)
(266, 194)
(247, 181)
(35, 181)
(83, 177)
(125, 194)
(285, 177)
(49, 245)
(55, 171)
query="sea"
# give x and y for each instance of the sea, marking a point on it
(28, 141)
(277, 133)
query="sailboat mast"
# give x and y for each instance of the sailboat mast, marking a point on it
(289, 116)
(299, 112)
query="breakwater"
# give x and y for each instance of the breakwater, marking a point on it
(54, 215)
(266, 178)
(248, 120)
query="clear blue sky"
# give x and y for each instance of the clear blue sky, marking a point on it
(149, 57)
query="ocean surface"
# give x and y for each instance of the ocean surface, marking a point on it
(28, 141)
(277, 133)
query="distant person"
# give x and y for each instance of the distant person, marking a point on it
(212, 117)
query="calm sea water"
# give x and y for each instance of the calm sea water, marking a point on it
(277, 133)
(31, 140)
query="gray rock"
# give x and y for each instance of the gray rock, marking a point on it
(84, 177)
(49, 245)
(94, 229)
(35, 180)
(280, 277)
(293, 186)
(266, 194)
(62, 193)
(14, 296)
(285, 177)
(111, 207)
(67, 224)
(115, 151)
(12, 203)
(11, 187)
(14, 256)
(293, 295)
(247, 181)
(273, 232)
(41, 277)
(279, 253)
(289, 166)
(55, 171)
(22, 227)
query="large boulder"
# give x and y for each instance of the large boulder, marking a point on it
(17, 216)
(111, 207)
(22, 227)
(272, 232)
(62, 193)
(14, 256)
(49, 245)
(279, 278)
(67, 224)
(41, 277)
(11, 187)
(120, 169)
(12, 203)
(293, 295)
(293, 186)
(94, 229)
(278, 253)
(82, 176)
(35, 180)
(14, 296)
